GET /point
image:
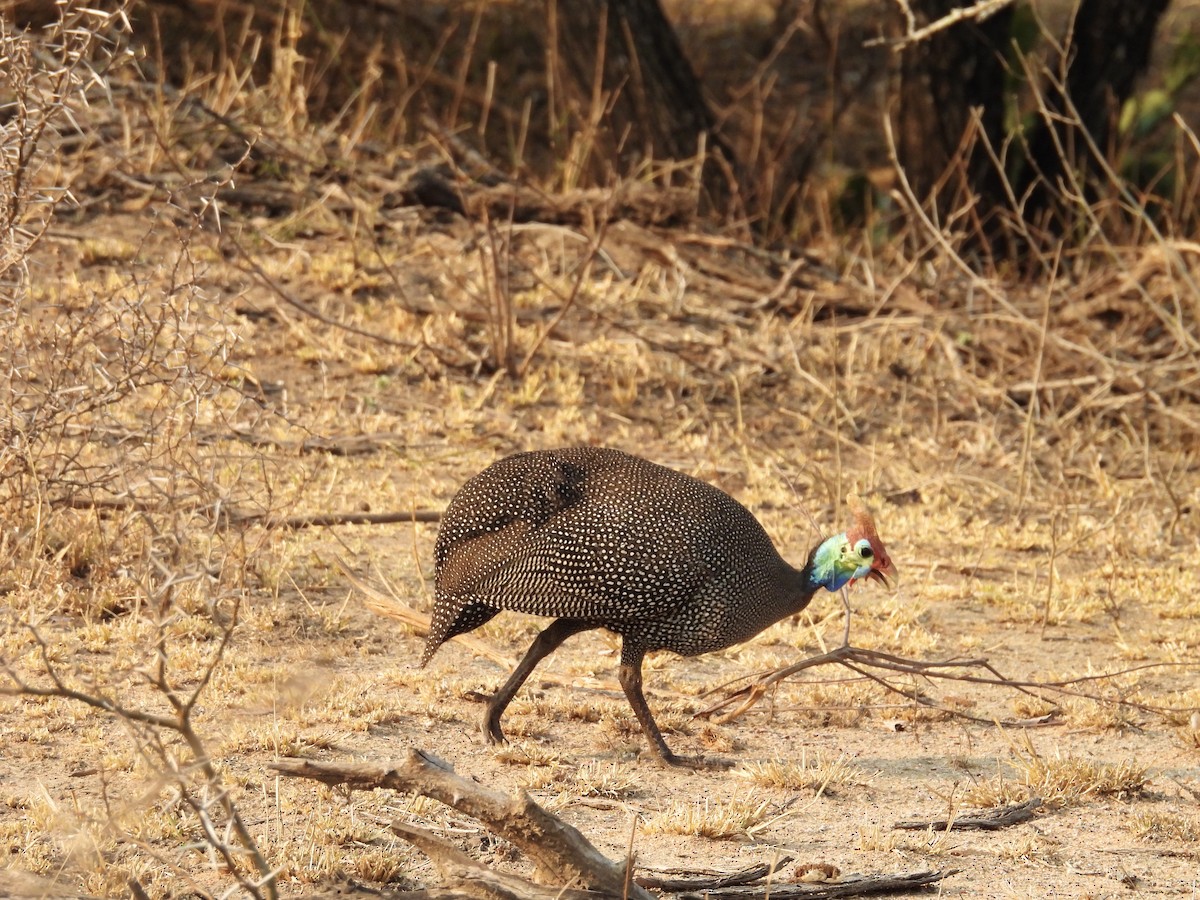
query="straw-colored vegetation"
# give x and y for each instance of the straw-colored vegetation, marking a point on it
(818, 774)
(1158, 825)
(222, 311)
(737, 817)
(1059, 780)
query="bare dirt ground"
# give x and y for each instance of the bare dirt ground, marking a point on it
(829, 763)
(204, 351)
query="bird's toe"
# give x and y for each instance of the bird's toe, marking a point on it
(492, 731)
(699, 763)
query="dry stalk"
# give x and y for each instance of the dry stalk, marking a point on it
(1032, 413)
(981, 10)
(582, 276)
(1051, 571)
(577, 158)
(495, 269)
(464, 68)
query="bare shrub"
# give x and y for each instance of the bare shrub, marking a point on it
(40, 81)
(111, 490)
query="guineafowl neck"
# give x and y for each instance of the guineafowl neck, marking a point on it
(796, 587)
(781, 591)
(788, 591)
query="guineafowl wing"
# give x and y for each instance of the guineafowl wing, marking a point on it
(601, 563)
(596, 534)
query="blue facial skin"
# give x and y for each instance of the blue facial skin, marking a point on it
(836, 563)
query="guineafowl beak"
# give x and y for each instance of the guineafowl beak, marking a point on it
(881, 575)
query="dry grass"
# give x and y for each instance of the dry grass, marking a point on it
(180, 339)
(613, 781)
(525, 753)
(1033, 848)
(1059, 780)
(717, 821)
(818, 774)
(1159, 825)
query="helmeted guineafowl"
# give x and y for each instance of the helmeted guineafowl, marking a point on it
(601, 539)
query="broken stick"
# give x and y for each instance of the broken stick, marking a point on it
(561, 854)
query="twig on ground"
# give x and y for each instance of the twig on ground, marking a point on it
(848, 886)
(235, 518)
(861, 661)
(986, 820)
(563, 857)
(325, 520)
(712, 882)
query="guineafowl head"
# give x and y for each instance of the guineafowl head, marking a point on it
(857, 553)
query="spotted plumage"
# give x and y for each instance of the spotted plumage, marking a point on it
(600, 539)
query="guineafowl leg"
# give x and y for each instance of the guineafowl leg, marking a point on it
(631, 683)
(543, 645)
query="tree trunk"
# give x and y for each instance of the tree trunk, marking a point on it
(1108, 48)
(942, 80)
(626, 91)
(961, 71)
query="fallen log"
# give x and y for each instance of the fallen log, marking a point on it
(567, 866)
(560, 853)
(986, 819)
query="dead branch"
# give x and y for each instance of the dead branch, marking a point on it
(985, 819)
(431, 187)
(848, 886)
(335, 445)
(559, 852)
(982, 10)
(713, 882)
(736, 885)
(473, 877)
(852, 886)
(233, 517)
(325, 520)
(355, 889)
(862, 662)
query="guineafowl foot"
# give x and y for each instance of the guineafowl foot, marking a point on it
(543, 645)
(630, 674)
(491, 730)
(699, 763)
